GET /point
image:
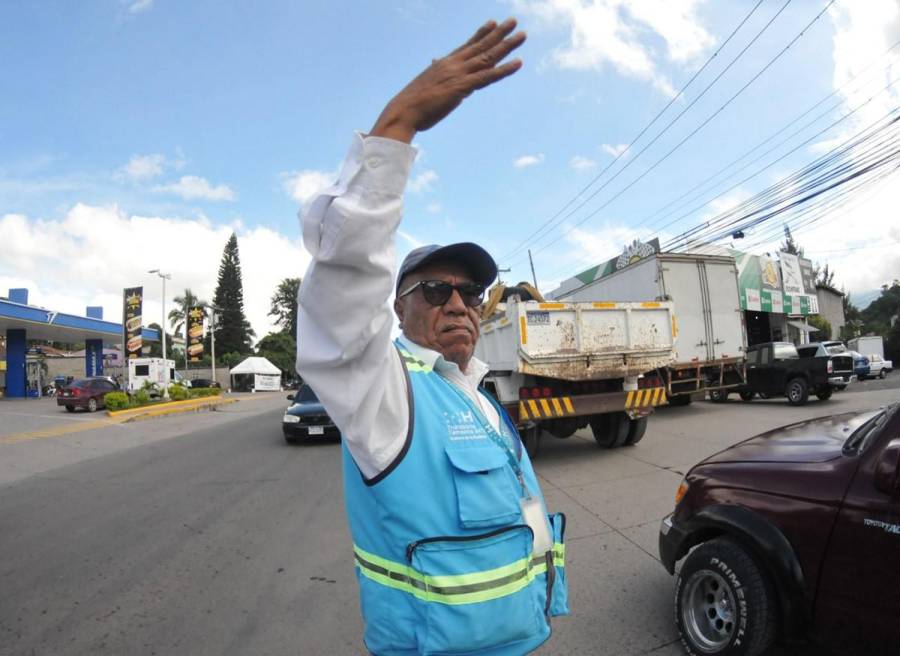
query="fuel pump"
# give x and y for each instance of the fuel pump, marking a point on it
(34, 374)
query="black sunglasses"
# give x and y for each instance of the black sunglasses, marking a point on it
(438, 292)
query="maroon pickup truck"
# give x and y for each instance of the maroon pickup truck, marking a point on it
(792, 535)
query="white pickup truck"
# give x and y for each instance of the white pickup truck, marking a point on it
(558, 367)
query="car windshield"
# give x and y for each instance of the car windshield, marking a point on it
(306, 395)
(80, 383)
(861, 438)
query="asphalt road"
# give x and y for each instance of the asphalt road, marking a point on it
(225, 540)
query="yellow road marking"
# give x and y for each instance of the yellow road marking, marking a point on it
(58, 431)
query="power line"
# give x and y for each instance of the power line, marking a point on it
(549, 221)
(691, 134)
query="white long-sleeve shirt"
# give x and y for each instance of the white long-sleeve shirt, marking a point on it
(344, 347)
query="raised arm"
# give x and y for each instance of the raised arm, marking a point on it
(344, 325)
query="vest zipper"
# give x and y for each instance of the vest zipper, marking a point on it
(412, 546)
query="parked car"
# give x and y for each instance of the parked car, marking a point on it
(841, 361)
(306, 418)
(86, 393)
(204, 382)
(878, 366)
(860, 365)
(792, 534)
(776, 369)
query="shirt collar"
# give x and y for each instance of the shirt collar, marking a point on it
(477, 369)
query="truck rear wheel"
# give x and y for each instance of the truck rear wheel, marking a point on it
(531, 439)
(718, 395)
(610, 429)
(636, 429)
(797, 391)
(825, 394)
(746, 395)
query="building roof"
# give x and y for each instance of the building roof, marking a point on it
(829, 288)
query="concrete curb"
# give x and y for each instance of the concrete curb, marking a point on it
(171, 408)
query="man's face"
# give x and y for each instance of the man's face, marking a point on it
(450, 329)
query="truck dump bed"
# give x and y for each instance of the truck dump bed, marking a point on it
(578, 341)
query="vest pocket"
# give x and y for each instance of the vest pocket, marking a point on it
(559, 601)
(479, 591)
(486, 490)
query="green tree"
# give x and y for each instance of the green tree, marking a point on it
(233, 331)
(280, 349)
(821, 324)
(825, 276)
(178, 316)
(284, 305)
(790, 245)
(154, 349)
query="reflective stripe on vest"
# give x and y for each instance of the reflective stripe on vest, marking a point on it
(414, 364)
(457, 588)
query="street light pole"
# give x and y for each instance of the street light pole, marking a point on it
(212, 309)
(164, 276)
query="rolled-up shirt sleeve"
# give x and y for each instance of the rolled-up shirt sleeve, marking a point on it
(344, 349)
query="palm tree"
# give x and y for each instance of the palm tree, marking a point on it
(178, 316)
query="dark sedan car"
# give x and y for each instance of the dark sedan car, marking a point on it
(86, 393)
(792, 535)
(306, 418)
(204, 382)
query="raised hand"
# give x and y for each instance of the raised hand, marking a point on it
(441, 87)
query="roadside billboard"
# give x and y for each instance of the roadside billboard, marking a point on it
(133, 304)
(195, 334)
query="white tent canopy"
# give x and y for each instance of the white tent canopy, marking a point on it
(266, 376)
(256, 365)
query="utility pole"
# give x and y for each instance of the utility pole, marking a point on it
(531, 262)
(164, 276)
(212, 338)
(499, 271)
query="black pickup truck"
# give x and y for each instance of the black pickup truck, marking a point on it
(776, 369)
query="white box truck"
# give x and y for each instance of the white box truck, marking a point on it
(868, 345)
(153, 370)
(711, 341)
(557, 367)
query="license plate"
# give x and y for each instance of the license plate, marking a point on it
(316, 430)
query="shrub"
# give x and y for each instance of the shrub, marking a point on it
(142, 397)
(178, 393)
(206, 391)
(116, 401)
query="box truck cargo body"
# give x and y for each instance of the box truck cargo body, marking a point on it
(867, 346)
(557, 367)
(710, 340)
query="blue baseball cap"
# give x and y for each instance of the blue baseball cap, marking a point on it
(474, 258)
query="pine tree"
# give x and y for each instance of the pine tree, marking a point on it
(284, 305)
(790, 245)
(233, 332)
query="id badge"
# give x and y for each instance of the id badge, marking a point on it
(536, 519)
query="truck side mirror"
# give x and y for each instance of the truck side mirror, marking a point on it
(887, 468)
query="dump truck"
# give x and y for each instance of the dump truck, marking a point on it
(558, 367)
(710, 351)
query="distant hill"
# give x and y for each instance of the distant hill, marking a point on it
(862, 299)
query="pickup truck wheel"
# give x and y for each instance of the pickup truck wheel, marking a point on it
(797, 392)
(747, 396)
(882, 374)
(636, 429)
(724, 602)
(825, 394)
(718, 396)
(610, 429)
(531, 439)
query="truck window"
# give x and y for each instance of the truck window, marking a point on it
(142, 370)
(753, 356)
(786, 352)
(765, 354)
(807, 351)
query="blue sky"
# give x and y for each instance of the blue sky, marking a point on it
(137, 134)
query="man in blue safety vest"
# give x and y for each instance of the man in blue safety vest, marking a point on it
(453, 547)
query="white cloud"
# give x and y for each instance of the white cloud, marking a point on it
(614, 149)
(580, 163)
(615, 33)
(412, 240)
(190, 187)
(433, 208)
(138, 6)
(88, 256)
(528, 160)
(144, 167)
(422, 182)
(305, 185)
